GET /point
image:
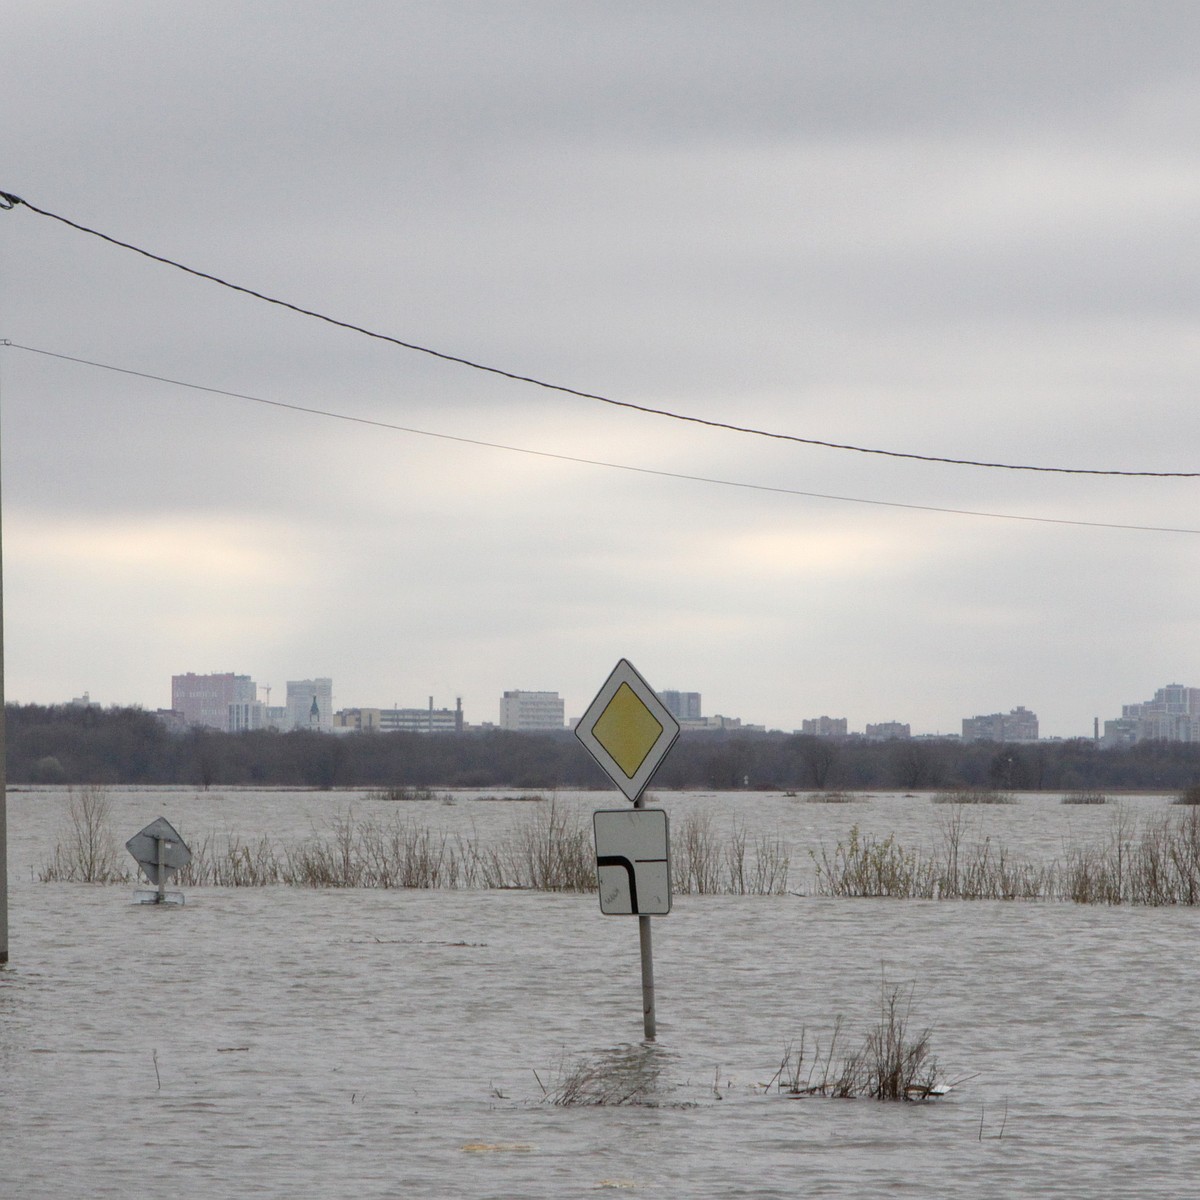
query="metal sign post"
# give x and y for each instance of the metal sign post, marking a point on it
(629, 731)
(162, 868)
(649, 1012)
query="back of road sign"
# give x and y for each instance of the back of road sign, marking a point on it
(144, 847)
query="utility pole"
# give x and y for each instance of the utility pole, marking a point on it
(3, 783)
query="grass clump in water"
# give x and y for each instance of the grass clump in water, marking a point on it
(549, 851)
(553, 852)
(1085, 796)
(626, 1076)
(974, 796)
(400, 793)
(864, 865)
(705, 865)
(893, 1062)
(1154, 861)
(957, 869)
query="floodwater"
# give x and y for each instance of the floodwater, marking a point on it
(283, 1042)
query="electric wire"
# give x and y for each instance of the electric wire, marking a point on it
(593, 462)
(10, 201)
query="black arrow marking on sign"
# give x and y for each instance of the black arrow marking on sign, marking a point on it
(619, 860)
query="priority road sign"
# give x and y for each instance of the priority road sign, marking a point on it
(628, 730)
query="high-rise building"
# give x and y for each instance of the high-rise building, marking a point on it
(247, 714)
(683, 706)
(1172, 716)
(310, 704)
(885, 731)
(530, 712)
(1019, 725)
(827, 727)
(205, 700)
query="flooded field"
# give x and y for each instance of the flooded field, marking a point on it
(336, 1043)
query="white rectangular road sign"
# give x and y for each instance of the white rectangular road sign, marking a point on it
(633, 861)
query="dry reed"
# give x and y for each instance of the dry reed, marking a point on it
(400, 793)
(1152, 861)
(974, 796)
(628, 1075)
(549, 849)
(1085, 796)
(703, 864)
(891, 1063)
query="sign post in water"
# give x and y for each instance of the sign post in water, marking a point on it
(628, 730)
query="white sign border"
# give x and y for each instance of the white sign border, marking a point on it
(626, 673)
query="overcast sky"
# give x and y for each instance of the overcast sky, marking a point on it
(956, 229)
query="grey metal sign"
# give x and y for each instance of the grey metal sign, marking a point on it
(159, 844)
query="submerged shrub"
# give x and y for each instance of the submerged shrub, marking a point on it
(1154, 861)
(695, 856)
(1085, 796)
(629, 1075)
(974, 796)
(703, 864)
(891, 1063)
(863, 865)
(399, 793)
(553, 852)
(87, 850)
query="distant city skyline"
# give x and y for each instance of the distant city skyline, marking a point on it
(229, 700)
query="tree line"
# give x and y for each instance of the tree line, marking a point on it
(66, 744)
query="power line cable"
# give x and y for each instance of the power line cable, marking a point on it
(593, 462)
(9, 201)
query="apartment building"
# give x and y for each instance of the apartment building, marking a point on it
(1173, 715)
(309, 704)
(887, 731)
(683, 706)
(532, 712)
(1019, 725)
(826, 727)
(207, 700)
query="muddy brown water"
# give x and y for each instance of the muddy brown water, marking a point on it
(282, 1041)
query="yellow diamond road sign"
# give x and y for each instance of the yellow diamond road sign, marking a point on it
(627, 730)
